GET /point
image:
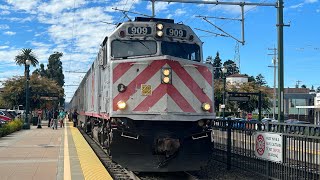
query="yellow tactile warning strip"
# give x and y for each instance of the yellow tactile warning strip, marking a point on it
(66, 163)
(91, 166)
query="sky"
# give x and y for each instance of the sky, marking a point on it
(77, 28)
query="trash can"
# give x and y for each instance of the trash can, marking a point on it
(35, 121)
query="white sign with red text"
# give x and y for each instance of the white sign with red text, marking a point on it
(268, 146)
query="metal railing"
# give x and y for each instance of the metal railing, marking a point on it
(234, 143)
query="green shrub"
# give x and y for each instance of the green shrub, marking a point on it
(11, 127)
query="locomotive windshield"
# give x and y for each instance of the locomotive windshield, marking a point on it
(128, 48)
(181, 50)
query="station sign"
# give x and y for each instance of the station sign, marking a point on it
(239, 98)
(268, 146)
(49, 98)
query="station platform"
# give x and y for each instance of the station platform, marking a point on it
(47, 154)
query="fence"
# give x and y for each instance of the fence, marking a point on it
(234, 143)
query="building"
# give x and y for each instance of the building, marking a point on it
(235, 79)
(317, 109)
(298, 104)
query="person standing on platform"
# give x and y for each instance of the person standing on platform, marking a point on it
(39, 116)
(50, 117)
(75, 118)
(55, 119)
(61, 118)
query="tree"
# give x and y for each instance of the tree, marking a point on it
(231, 67)
(249, 106)
(251, 78)
(252, 104)
(260, 80)
(303, 86)
(41, 71)
(54, 70)
(217, 66)
(14, 90)
(26, 54)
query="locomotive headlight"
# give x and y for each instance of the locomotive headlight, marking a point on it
(166, 75)
(166, 72)
(121, 105)
(166, 80)
(206, 106)
(159, 26)
(159, 33)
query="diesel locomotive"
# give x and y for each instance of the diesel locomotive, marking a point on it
(148, 97)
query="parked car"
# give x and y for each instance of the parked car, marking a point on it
(265, 120)
(13, 113)
(6, 113)
(5, 118)
(239, 123)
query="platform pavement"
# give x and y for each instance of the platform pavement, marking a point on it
(41, 154)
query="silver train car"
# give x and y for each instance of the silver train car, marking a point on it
(148, 97)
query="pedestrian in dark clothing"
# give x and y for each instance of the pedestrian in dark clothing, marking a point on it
(75, 118)
(50, 116)
(55, 120)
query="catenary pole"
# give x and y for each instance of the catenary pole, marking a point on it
(280, 62)
(279, 6)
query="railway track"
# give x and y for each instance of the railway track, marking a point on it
(119, 173)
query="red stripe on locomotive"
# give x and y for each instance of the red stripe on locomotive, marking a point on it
(189, 82)
(207, 75)
(150, 101)
(179, 99)
(121, 69)
(142, 78)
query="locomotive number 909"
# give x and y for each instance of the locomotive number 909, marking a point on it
(176, 32)
(135, 30)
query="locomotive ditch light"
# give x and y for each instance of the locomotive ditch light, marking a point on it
(206, 106)
(159, 26)
(121, 105)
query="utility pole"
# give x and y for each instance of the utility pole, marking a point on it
(298, 83)
(274, 66)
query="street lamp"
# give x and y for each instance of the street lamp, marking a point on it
(224, 71)
(39, 114)
(26, 124)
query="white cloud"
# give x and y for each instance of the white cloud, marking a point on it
(10, 33)
(55, 7)
(4, 7)
(296, 6)
(179, 12)
(24, 5)
(20, 20)
(300, 5)
(4, 12)
(160, 6)
(4, 47)
(4, 26)
(310, 1)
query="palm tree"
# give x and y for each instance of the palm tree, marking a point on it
(24, 56)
